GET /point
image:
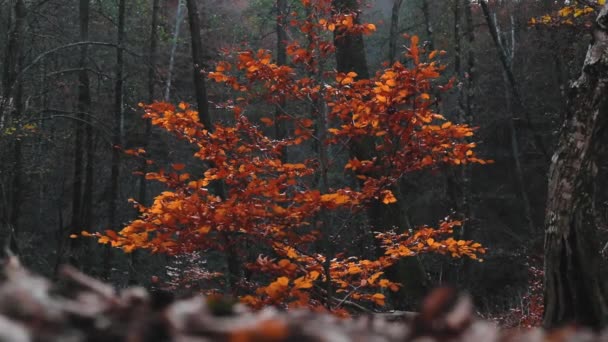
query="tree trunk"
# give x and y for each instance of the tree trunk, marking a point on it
(279, 126)
(394, 31)
(152, 56)
(350, 56)
(468, 109)
(198, 62)
(232, 260)
(470, 75)
(12, 57)
(83, 108)
(575, 284)
(116, 132)
(455, 177)
(350, 49)
(457, 50)
(10, 108)
(428, 24)
(178, 21)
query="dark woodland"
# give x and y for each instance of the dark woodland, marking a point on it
(343, 156)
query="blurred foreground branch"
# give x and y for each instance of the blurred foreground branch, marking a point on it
(80, 308)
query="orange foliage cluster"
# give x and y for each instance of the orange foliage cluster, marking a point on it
(277, 206)
(577, 13)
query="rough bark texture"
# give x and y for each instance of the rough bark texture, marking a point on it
(575, 284)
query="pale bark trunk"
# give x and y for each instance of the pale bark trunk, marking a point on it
(178, 21)
(575, 283)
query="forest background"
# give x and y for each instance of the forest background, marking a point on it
(73, 74)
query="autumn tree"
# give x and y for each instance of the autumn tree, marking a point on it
(290, 210)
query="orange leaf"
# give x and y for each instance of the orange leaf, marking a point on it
(374, 277)
(283, 281)
(302, 283)
(415, 40)
(378, 299)
(346, 80)
(388, 197)
(335, 198)
(112, 234)
(354, 270)
(267, 121)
